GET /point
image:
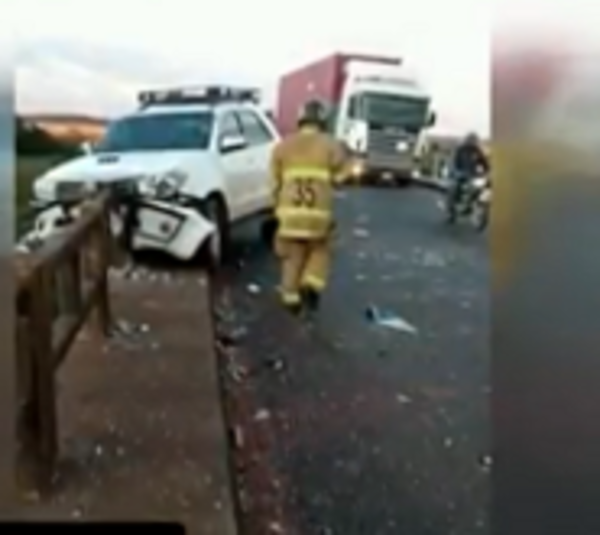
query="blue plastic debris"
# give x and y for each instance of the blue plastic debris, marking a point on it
(389, 320)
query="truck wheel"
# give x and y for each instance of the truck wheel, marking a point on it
(215, 250)
(403, 181)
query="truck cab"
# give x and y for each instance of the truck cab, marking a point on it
(382, 119)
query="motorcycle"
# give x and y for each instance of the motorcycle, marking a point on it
(480, 211)
(473, 202)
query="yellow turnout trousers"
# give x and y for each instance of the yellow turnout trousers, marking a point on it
(305, 264)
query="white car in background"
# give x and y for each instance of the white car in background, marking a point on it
(197, 158)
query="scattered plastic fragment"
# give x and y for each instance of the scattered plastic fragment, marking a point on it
(253, 288)
(274, 363)
(261, 415)
(238, 437)
(403, 399)
(485, 462)
(389, 320)
(361, 233)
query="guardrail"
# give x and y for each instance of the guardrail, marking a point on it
(60, 289)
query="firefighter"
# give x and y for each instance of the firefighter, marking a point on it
(305, 167)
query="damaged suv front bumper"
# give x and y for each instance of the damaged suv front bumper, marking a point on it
(179, 231)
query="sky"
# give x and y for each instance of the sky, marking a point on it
(91, 56)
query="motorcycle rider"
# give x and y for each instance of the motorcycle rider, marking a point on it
(305, 167)
(468, 161)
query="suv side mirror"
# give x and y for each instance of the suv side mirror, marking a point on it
(432, 119)
(231, 143)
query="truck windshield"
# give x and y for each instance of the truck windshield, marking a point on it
(395, 110)
(160, 131)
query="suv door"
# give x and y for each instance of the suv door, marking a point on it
(260, 144)
(235, 166)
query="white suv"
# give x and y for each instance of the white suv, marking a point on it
(198, 159)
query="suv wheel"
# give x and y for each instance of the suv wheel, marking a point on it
(215, 249)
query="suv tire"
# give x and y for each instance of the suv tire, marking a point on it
(216, 249)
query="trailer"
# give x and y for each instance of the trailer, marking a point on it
(322, 80)
(375, 109)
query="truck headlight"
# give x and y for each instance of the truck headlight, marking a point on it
(402, 146)
(164, 186)
(357, 169)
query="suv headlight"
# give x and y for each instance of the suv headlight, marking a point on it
(164, 186)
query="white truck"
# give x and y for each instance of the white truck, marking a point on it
(379, 111)
(383, 118)
(193, 160)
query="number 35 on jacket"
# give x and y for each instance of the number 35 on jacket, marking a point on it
(305, 168)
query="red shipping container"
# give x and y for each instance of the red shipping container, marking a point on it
(322, 80)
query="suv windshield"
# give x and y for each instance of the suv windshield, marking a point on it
(160, 131)
(395, 110)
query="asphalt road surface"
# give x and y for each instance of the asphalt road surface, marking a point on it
(376, 431)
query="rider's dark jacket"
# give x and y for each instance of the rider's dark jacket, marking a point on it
(468, 161)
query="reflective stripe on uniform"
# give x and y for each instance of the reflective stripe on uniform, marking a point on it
(290, 298)
(314, 283)
(299, 234)
(314, 173)
(310, 225)
(313, 213)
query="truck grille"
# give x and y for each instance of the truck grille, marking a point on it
(382, 150)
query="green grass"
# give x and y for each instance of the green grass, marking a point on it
(28, 169)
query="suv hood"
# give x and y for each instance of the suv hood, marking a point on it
(109, 167)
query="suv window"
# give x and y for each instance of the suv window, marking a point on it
(229, 126)
(160, 131)
(255, 131)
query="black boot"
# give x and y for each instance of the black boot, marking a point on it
(294, 308)
(311, 299)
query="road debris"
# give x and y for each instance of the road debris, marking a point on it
(389, 320)
(275, 527)
(125, 329)
(361, 232)
(274, 364)
(253, 288)
(236, 371)
(262, 415)
(401, 398)
(232, 337)
(485, 461)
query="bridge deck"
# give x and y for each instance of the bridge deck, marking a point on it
(140, 416)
